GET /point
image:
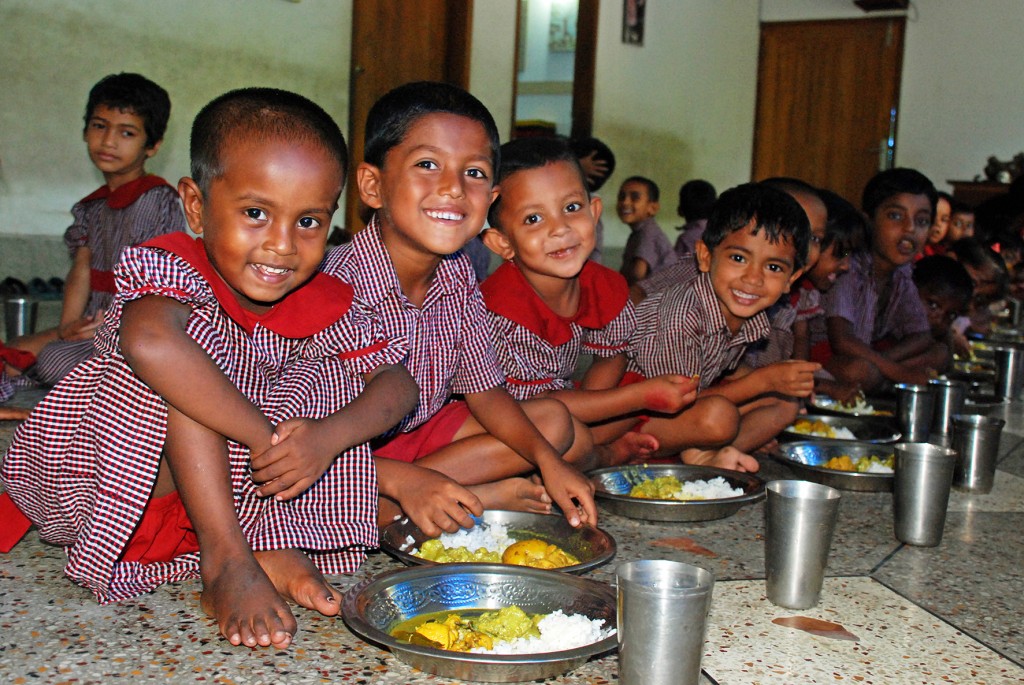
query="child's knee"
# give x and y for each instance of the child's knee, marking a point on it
(718, 420)
(581, 452)
(554, 421)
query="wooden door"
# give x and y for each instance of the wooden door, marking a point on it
(826, 101)
(395, 42)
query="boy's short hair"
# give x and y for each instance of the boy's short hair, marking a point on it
(262, 114)
(532, 153)
(944, 276)
(136, 93)
(960, 207)
(390, 118)
(772, 210)
(653, 192)
(584, 147)
(848, 229)
(943, 195)
(891, 182)
(696, 198)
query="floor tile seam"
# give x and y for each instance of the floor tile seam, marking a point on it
(949, 623)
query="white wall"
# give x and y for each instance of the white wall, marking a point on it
(680, 106)
(53, 51)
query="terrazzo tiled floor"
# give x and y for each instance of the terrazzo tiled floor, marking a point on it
(949, 614)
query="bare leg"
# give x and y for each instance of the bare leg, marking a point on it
(710, 422)
(762, 420)
(236, 590)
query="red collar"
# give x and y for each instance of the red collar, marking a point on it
(603, 294)
(127, 194)
(314, 306)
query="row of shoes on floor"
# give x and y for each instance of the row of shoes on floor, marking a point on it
(52, 289)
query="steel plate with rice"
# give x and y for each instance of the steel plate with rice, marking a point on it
(592, 546)
(863, 428)
(807, 459)
(374, 607)
(614, 484)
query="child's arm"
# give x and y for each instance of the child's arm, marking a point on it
(801, 340)
(77, 288)
(636, 271)
(791, 378)
(305, 448)
(844, 342)
(168, 360)
(431, 500)
(502, 417)
(600, 398)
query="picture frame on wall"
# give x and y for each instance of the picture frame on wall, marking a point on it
(562, 27)
(633, 21)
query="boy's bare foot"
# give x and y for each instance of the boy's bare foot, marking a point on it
(727, 457)
(514, 494)
(298, 579)
(248, 608)
(631, 448)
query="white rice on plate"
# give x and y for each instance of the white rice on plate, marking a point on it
(558, 632)
(491, 536)
(715, 488)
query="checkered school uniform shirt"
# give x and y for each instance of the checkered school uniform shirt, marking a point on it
(539, 350)
(83, 465)
(682, 330)
(450, 351)
(683, 271)
(855, 298)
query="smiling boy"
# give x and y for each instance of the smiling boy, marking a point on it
(430, 158)
(751, 252)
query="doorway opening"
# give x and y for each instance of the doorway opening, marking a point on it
(554, 81)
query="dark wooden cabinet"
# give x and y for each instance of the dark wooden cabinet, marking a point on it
(973, 193)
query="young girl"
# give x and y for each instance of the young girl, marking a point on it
(158, 459)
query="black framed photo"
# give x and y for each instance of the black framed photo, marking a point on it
(633, 21)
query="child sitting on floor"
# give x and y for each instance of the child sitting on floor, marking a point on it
(647, 249)
(548, 303)
(125, 119)
(877, 329)
(945, 289)
(430, 160)
(158, 459)
(752, 250)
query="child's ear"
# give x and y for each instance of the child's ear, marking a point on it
(154, 148)
(596, 207)
(192, 202)
(655, 208)
(499, 243)
(703, 256)
(797, 273)
(368, 181)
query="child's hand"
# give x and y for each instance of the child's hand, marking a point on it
(724, 458)
(296, 459)
(669, 394)
(571, 491)
(81, 329)
(793, 378)
(437, 504)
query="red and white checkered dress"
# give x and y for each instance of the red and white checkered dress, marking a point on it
(83, 465)
(538, 349)
(450, 349)
(107, 222)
